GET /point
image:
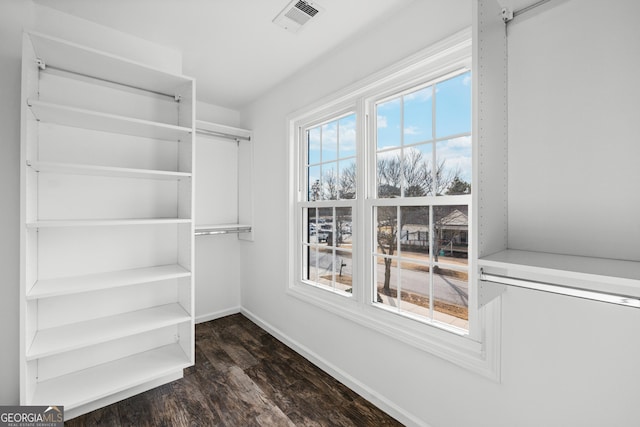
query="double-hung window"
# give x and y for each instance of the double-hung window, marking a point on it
(381, 224)
(420, 162)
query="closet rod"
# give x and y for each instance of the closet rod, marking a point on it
(223, 231)
(113, 82)
(530, 7)
(236, 138)
(628, 301)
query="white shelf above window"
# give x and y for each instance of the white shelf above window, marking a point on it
(88, 385)
(79, 169)
(51, 341)
(105, 222)
(598, 274)
(94, 282)
(65, 55)
(87, 119)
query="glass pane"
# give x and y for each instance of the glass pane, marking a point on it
(314, 184)
(344, 271)
(330, 141)
(347, 136)
(313, 147)
(325, 225)
(311, 225)
(386, 291)
(388, 124)
(454, 160)
(414, 232)
(418, 107)
(451, 234)
(325, 266)
(389, 173)
(387, 230)
(416, 169)
(330, 181)
(347, 179)
(451, 296)
(415, 288)
(312, 264)
(343, 228)
(453, 106)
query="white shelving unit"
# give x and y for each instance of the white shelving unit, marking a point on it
(229, 179)
(551, 207)
(107, 236)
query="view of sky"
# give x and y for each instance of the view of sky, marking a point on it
(405, 124)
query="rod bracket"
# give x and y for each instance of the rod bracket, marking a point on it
(177, 97)
(507, 14)
(40, 63)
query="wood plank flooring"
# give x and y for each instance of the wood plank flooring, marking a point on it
(243, 377)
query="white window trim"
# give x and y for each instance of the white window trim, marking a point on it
(479, 350)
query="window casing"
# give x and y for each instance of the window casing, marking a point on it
(434, 209)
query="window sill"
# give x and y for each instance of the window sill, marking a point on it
(482, 358)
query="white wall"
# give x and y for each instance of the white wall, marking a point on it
(565, 362)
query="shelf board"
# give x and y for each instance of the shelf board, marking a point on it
(88, 385)
(65, 55)
(48, 342)
(599, 274)
(88, 119)
(108, 171)
(94, 282)
(104, 222)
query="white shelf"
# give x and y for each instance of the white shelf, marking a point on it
(598, 274)
(88, 385)
(94, 282)
(62, 54)
(79, 169)
(105, 222)
(88, 119)
(48, 342)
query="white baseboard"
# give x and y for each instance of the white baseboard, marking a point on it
(218, 314)
(363, 390)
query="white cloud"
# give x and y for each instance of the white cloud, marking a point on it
(382, 122)
(412, 130)
(467, 80)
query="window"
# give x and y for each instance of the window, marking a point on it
(327, 211)
(381, 207)
(422, 144)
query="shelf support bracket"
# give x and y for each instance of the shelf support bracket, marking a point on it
(488, 291)
(40, 63)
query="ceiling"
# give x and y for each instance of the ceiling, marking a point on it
(232, 48)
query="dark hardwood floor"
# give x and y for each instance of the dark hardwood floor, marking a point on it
(243, 377)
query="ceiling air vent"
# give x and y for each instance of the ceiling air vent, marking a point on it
(296, 14)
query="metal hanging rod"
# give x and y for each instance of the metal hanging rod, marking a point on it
(236, 138)
(508, 14)
(214, 231)
(42, 66)
(628, 301)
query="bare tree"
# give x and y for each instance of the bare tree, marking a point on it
(419, 180)
(330, 181)
(348, 182)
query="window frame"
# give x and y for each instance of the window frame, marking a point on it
(477, 350)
